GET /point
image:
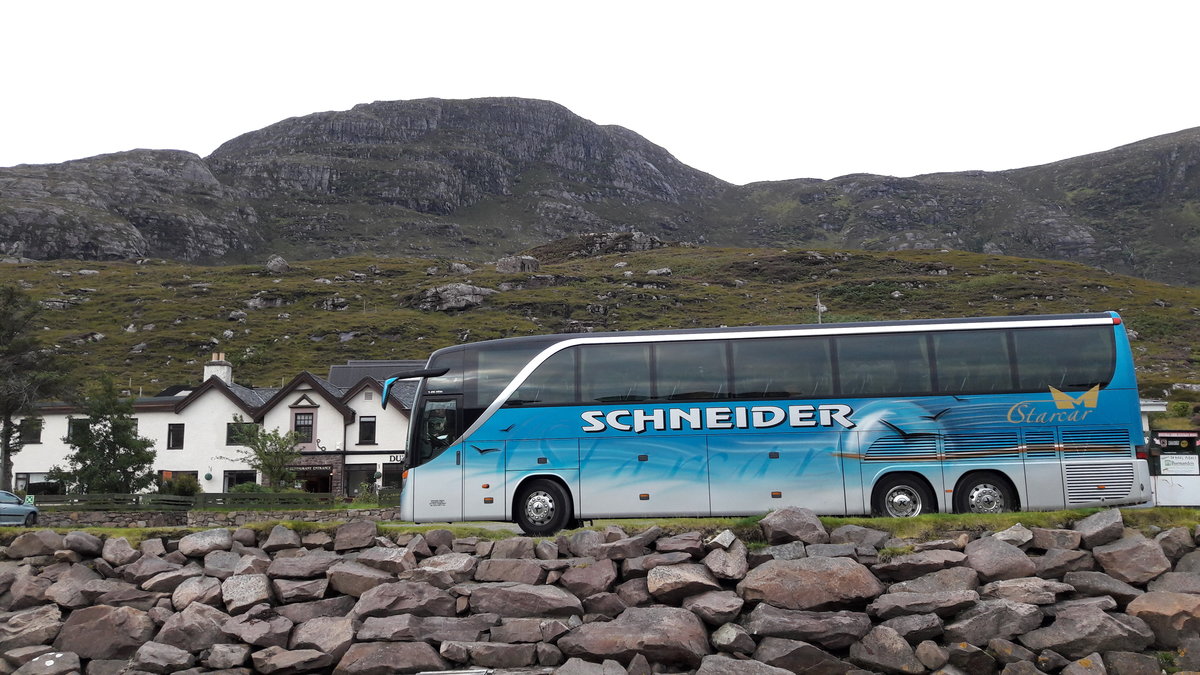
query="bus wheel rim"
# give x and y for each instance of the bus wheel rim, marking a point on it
(902, 502)
(539, 508)
(986, 498)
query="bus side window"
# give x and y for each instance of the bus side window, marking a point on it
(439, 428)
(614, 373)
(553, 383)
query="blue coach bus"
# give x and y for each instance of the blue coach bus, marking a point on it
(895, 418)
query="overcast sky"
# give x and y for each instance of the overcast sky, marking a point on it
(745, 91)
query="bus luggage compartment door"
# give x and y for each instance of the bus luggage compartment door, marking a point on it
(437, 487)
(648, 476)
(761, 472)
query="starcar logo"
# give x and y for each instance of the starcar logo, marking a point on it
(717, 417)
(1068, 408)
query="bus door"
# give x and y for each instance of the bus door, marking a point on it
(437, 475)
(483, 480)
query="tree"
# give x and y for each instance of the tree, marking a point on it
(108, 455)
(28, 373)
(268, 452)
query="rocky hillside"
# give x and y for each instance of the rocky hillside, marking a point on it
(151, 324)
(1090, 599)
(483, 177)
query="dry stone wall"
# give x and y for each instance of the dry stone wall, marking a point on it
(206, 518)
(1095, 598)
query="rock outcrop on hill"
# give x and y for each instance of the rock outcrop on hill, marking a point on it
(1018, 601)
(486, 177)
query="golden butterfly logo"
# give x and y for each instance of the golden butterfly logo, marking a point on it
(1065, 401)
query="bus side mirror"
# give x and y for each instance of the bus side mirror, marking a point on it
(387, 389)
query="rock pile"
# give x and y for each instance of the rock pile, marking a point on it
(1090, 599)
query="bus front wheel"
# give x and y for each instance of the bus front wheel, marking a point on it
(903, 496)
(984, 493)
(543, 508)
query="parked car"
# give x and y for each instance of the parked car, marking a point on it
(13, 511)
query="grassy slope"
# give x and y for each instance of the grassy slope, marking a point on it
(189, 306)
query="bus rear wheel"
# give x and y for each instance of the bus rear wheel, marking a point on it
(984, 493)
(543, 507)
(903, 496)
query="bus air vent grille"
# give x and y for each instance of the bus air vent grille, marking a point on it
(1096, 443)
(1040, 445)
(982, 447)
(1098, 482)
(892, 448)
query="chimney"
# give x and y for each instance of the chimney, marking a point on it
(219, 368)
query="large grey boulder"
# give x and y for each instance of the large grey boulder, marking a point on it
(915, 565)
(990, 619)
(118, 552)
(105, 632)
(793, 524)
(1100, 528)
(1134, 559)
(883, 649)
(377, 658)
(1172, 616)
(200, 544)
(1031, 590)
(68, 590)
(436, 629)
(518, 600)
(83, 543)
(1087, 584)
(994, 559)
(311, 565)
(196, 589)
(352, 578)
(195, 629)
(590, 578)
(33, 626)
(715, 607)
(1080, 631)
(354, 535)
(260, 626)
(299, 590)
(948, 579)
(287, 661)
(942, 603)
(670, 584)
(666, 635)
(280, 538)
(243, 591)
(811, 583)
(828, 630)
(30, 544)
(792, 656)
(511, 569)
(404, 597)
(156, 657)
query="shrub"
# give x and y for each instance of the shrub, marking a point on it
(249, 488)
(184, 485)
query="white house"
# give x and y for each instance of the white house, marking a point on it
(348, 438)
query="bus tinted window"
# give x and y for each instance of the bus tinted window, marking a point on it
(873, 365)
(553, 383)
(496, 368)
(973, 362)
(782, 368)
(691, 371)
(614, 373)
(1070, 358)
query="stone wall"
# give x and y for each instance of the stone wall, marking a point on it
(206, 518)
(1094, 598)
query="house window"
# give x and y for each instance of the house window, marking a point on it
(76, 428)
(31, 431)
(366, 431)
(234, 478)
(174, 436)
(234, 431)
(302, 424)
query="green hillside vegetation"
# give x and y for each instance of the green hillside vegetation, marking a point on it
(152, 324)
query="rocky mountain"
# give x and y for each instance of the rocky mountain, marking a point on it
(484, 177)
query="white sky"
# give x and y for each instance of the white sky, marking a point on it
(746, 91)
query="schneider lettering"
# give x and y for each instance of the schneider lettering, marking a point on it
(717, 417)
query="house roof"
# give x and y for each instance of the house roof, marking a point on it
(353, 371)
(331, 393)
